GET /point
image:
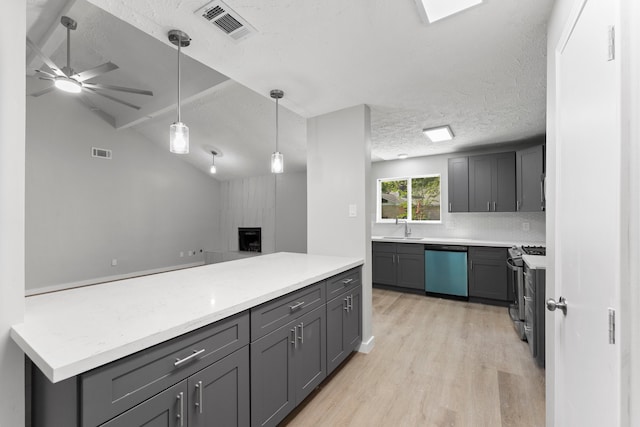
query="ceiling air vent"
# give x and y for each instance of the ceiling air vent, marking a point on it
(101, 153)
(222, 16)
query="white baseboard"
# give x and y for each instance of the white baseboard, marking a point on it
(367, 346)
(98, 280)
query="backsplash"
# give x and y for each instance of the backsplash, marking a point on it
(502, 226)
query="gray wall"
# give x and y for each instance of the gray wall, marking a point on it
(252, 202)
(504, 226)
(143, 207)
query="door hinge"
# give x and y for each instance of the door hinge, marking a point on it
(612, 43)
(612, 326)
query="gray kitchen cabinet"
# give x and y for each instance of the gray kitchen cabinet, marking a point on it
(218, 395)
(530, 173)
(344, 326)
(492, 186)
(488, 273)
(398, 264)
(166, 409)
(286, 365)
(458, 184)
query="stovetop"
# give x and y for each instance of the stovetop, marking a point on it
(534, 250)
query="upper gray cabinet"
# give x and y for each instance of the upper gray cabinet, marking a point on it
(530, 179)
(492, 184)
(458, 178)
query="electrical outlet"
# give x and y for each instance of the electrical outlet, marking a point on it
(114, 262)
(353, 211)
(525, 226)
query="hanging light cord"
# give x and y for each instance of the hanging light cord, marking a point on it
(277, 124)
(179, 44)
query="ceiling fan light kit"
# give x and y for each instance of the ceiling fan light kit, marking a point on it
(277, 159)
(67, 84)
(178, 131)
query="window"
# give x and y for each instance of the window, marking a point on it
(414, 198)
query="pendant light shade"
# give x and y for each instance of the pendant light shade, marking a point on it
(277, 159)
(178, 131)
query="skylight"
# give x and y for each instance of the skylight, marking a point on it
(434, 10)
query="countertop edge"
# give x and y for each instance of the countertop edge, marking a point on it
(79, 366)
(455, 241)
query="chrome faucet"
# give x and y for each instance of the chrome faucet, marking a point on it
(407, 230)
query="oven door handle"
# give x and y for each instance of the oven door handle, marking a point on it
(512, 266)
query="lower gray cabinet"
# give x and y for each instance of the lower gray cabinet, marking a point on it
(488, 274)
(286, 365)
(216, 396)
(344, 326)
(166, 409)
(398, 264)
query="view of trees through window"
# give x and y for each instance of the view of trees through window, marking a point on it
(421, 193)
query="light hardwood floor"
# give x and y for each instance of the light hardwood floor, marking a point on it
(436, 362)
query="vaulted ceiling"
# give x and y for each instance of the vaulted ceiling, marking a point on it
(481, 71)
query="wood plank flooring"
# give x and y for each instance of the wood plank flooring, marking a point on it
(436, 362)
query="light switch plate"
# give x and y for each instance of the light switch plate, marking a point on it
(353, 211)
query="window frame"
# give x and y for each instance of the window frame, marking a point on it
(409, 179)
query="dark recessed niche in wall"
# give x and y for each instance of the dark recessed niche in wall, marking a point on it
(250, 239)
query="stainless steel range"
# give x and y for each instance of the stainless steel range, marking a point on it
(516, 267)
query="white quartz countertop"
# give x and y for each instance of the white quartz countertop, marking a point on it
(453, 241)
(70, 332)
(535, 261)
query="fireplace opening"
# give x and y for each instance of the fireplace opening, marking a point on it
(250, 239)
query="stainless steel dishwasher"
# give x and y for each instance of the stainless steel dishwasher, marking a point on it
(445, 268)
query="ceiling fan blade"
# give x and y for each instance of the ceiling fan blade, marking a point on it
(105, 116)
(118, 88)
(49, 75)
(112, 98)
(48, 62)
(95, 71)
(43, 91)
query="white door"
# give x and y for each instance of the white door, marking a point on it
(588, 223)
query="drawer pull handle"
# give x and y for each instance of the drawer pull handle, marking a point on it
(192, 356)
(297, 306)
(347, 281)
(200, 391)
(180, 414)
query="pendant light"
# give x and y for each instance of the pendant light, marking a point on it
(277, 159)
(212, 169)
(179, 132)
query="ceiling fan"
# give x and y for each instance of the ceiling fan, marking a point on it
(66, 79)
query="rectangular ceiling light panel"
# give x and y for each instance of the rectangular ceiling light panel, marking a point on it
(434, 10)
(439, 134)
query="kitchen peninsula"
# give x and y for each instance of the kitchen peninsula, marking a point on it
(222, 307)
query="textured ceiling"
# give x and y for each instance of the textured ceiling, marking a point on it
(481, 71)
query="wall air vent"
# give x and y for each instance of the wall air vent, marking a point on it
(101, 153)
(222, 16)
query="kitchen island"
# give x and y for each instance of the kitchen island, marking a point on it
(69, 332)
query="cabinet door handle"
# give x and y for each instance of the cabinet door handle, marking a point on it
(398, 259)
(301, 337)
(296, 306)
(471, 264)
(517, 205)
(350, 302)
(494, 206)
(542, 197)
(199, 402)
(192, 356)
(294, 341)
(488, 206)
(180, 414)
(346, 304)
(347, 281)
(449, 206)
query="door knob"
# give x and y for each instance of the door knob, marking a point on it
(561, 305)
